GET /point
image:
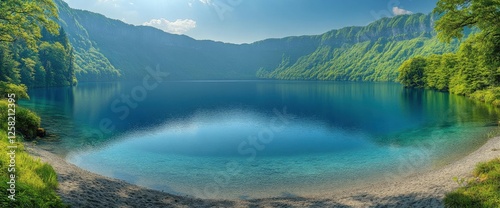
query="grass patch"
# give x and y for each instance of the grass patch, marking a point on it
(35, 181)
(483, 191)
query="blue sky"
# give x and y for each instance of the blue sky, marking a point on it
(246, 21)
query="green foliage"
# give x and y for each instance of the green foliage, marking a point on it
(20, 91)
(27, 122)
(371, 53)
(35, 181)
(90, 64)
(490, 95)
(458, 15)
(474, 69)
(105, 49)
(42, 58)
(474, 72)
(9, 70)
(20, 19)
(482, 192)
(411, 72)
(439, 70)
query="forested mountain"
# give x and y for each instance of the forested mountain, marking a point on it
(371, 53)
(33, 50)
(91, 47)
(106, 49)
(474, 70)
(90, 63)
(132, 48)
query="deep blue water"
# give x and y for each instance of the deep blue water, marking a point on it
(248, 139)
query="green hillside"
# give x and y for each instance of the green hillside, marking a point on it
(107, 48)
(90, 63)
(96, 48)
(473, 70)
(34, 50)
(371, 53)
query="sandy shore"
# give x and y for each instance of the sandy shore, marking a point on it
(81, 188)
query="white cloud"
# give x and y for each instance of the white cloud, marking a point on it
(399, 11)
(179, 26)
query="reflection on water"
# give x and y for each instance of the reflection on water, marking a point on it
(279, 136)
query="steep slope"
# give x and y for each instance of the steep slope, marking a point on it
(107, 48)
(90, 63)
(133, 48)
(371, 53)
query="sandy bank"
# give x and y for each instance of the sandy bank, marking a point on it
(81, 188)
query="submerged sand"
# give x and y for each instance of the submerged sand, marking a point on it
(80, 188)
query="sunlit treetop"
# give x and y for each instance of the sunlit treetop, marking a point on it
(460, 14)
(23, 19)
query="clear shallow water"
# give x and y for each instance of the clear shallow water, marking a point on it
(248, 139)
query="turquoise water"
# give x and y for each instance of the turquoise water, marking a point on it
(250, 139)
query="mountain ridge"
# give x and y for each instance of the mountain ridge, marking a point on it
(122, 51)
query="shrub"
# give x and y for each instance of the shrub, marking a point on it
(411, 72)
(35, 181)
(27, 122)
(490, 95)
(19, 90)
(482, 192)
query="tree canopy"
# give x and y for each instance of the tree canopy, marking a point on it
(458, 15)
(22, 19)
(475, 69)
(18, 90)
(34, 50)
(411, 72)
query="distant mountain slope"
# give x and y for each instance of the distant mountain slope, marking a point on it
(133, 48)
(107, 48)
(371, 53)
(90, 63)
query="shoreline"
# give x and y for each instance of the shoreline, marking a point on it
(81, 188)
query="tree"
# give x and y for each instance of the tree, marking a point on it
(477, 63)
(57, 58)
(28, 71)
(21, 19)
(9, 70)
(411, 72)
(19, 90)
(458, 15)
